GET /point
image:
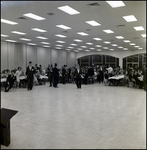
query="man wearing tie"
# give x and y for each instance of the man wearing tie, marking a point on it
(30, 70)
(78, 73)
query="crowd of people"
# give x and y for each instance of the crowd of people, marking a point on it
(78, 75)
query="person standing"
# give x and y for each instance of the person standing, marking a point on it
(30, 70)
(55, 76)
(51, 75)
(18, 74)
(63, 74)
(78, 74)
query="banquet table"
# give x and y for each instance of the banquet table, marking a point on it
(115, 80)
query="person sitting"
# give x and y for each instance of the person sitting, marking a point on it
(10, 81)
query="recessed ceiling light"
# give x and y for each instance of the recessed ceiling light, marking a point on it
(68, 10)
(93, 23)
(31, 43)
(125, 49)
(114, 45)
(87, 50)
(115, 4)
(99, 50)
(59, 35)
(45, 43)
(108, 31)
(105, 47)
(60, 41)
(63, 27)
(140, 28)
(140, 48)
(8, 22)
(136, 46)
(120, 47)
(89, 43)
(98, 45)
(33, 16)
(10, 41)
(16, 32)
(84, 46)
(119, 37)
(73, 44)
(40, 37)
(106, 42)
(77, 40)
(46, 46)
(39, 30)
(59, 45)
(82, 33)
(132, 44)
(130, 18)
(127, 41)
(143, 35)
(111, 49)
(4, 35)
(25, 39)
(98, 39)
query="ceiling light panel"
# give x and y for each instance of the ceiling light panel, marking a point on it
(45, 43)
(3, 35)
(139, 28)
(59, 35)
(99, 50)
(59, 45)
(89, 43)
(73, 44)
(79, 48)
(31, 43)
(10, 41)
(84, 46)
(77, 40)
(93, 23)
(98, 45)
(127, 41)
(24, 39)
(82, 33)
(125, 48)
(108, 31)
(40, 37)
(106, 42)
(58, 48)
(87, 50)
(130, 18)
(46, 46)
(33, 16)
(105, 47)
(60, 41)
(16, 32)
(115, 4)
(111, 49)
(143, 35)
(39, 30)
(140, 48)
(97, 39)
(8, 22)
(114, 45)
(136, 46)
(68, 10)
(92, 48)
(119, 37)
(132, 44)
(120, 47)
(69, 47)
(63, 27)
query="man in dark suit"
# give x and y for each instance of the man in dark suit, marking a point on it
(30, 70)
(78, 74)
(55, 76)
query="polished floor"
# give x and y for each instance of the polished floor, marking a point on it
(93, 117)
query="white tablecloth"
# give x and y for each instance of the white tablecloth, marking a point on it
(116, 77)
(22, 77)
(3, 80)
(43, 77)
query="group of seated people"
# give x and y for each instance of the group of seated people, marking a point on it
(100, 74)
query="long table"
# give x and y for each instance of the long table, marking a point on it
(115, 80)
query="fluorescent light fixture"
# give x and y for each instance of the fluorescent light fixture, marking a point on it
(98, 39)
(10, 41)
(25, 39)
(98, 45)
(8, 22)
(108, 31)
(125, 49)
(111, 49)
(105, 47)
(80, 49)
(115, 4)
(31, 43)
(119, 37)
(58, 48)
(143, 35)
(16, 32)
(82, 33)
(120, 47)
(127, 41)
(3, 35)
(73, 44)
(60, 41)
(93, 23)
(87, 50)
(40, 37)
(45, 43)
(99, 50)
(69, 47)
(106, 42)
(132, 44)
(130, 18)
(114, 45)
(76, 51)
(59, 35)
(77, 40)
(89, 43)
(136, 46)
(140, 48)
(33, 16)
(59, 45)
(63, 27)
(68, 10)
(46, 46)
(139, 28)
(39, 30)
(84, 46)
(92, 48)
